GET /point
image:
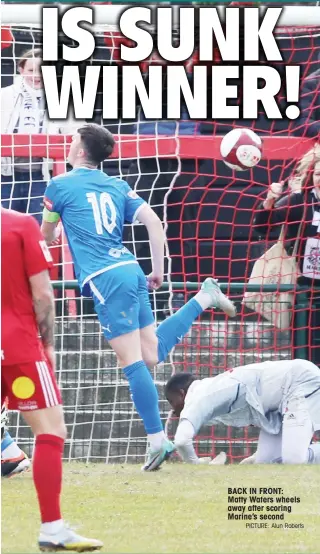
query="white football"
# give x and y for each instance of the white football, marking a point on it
(241, 149)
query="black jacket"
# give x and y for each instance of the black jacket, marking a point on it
(308, 124)
(289, 210)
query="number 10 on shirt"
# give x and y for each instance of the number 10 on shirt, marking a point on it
(99, 207)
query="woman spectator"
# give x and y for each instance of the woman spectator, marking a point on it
(23, 112)
(302, 203)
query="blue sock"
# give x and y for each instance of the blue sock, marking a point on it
(172, 330)
(144, 395)
(6, 441)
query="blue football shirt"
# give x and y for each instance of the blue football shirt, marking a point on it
(93, 208)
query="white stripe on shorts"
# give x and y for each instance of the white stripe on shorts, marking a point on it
(96, 292)
(48, 379)
(47, 384)
(44, 390)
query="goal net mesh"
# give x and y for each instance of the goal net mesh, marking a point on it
(208, 212)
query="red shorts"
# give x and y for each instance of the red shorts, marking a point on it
(30, 386)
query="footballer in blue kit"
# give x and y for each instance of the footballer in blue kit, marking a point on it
(93, 208)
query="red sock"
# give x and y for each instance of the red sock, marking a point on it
(47, 475)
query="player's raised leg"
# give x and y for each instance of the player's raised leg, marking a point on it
(172, 330)
(157, 343)
(117, 303)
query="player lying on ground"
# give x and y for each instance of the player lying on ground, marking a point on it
(281, 398)
(13, 459)
(93, 208)
(28, 364)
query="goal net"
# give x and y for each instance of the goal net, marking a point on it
(209, 216)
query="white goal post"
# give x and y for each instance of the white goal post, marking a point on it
(31, 14)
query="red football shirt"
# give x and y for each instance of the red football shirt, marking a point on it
(24, 253)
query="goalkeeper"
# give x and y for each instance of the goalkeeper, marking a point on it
(282, 398)
(93, 208)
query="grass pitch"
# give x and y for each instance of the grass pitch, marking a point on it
(179, 509)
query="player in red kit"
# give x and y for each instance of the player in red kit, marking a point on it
(28, 364)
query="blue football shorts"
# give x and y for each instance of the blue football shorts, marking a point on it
(121, 300)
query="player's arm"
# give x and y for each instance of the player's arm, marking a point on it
(202, 406)
(184, 442)
(43, 303)
(196, 412)
(157, 239)
(49, 227)
(286, 210)
(137, 209)
(37, 262)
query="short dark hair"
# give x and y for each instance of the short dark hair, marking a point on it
(179, 381)
(29, 55)
(98, 142)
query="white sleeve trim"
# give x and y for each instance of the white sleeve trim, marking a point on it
(135, 215)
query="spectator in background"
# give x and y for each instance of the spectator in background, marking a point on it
(308, 123)
(302, 202)
(23, 112)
